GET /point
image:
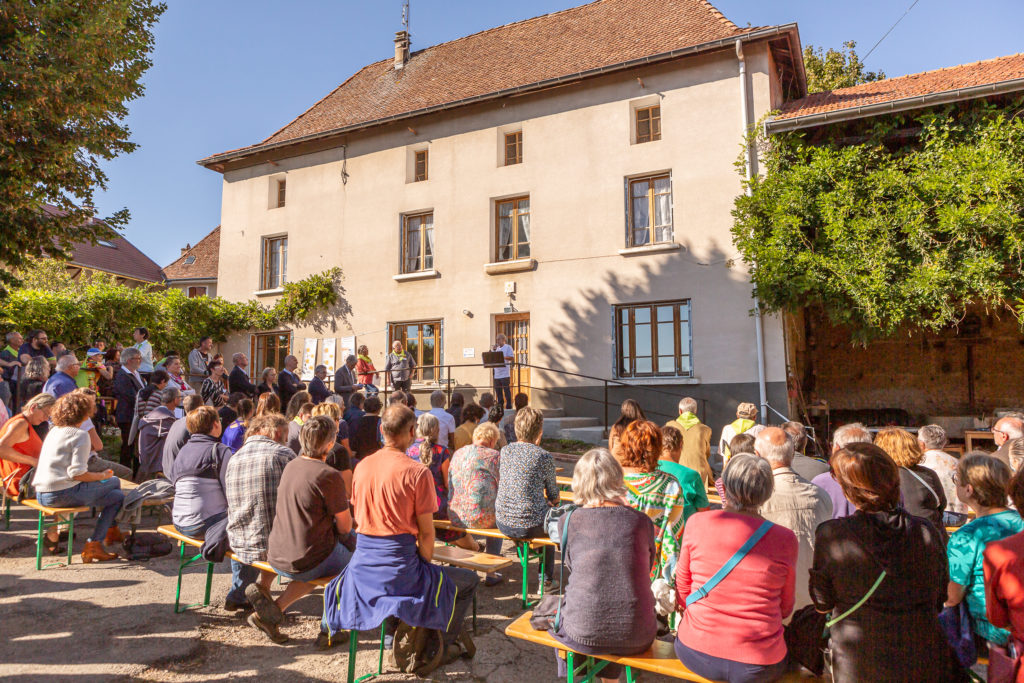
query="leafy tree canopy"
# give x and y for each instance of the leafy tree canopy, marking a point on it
(884, 238)
(836, 68)
(91, 307)
(67, 72)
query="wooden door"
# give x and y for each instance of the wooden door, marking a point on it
(516, 328)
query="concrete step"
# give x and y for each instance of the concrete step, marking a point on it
(592, 435)
(549, 413)
(554, 425)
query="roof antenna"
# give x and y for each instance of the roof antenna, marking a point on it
(402, 39)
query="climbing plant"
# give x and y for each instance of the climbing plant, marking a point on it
(893, 232)
(80, 311)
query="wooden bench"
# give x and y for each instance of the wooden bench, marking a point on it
(457, 557)
(56, 513)
(526, 550)
(70, 513)
(564, 483)
(660, 658)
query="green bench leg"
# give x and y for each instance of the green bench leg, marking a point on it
(41, 528)
(353, 644)
(182, 563)
(7, 512)
(474, 613)
(525, 555)
(588, 669)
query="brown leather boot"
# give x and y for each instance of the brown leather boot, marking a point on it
(113, 536)
(94, 552)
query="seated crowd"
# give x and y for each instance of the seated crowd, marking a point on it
(324, 484)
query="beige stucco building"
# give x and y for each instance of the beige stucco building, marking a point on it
(567, 179)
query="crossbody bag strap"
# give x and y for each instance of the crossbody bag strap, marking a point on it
(925, 484)
(860, 603)
(703, 591)
(561, 568)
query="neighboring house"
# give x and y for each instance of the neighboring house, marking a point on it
(948, 377)
(567, 180)
(115, 256)
(195, 271)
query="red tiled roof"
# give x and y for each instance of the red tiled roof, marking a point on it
(562, 44)
(207, 257)
(915, 85)
(116, 255)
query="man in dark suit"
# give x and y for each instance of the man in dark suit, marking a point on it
(288, 381)
(345, 379)
(238, 380)
(127, 384)
(317, 387)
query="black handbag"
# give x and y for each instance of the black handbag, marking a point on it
(806, 639)
(547, 615)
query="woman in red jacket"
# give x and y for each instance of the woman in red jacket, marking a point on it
(734, 632)
(1004, 586)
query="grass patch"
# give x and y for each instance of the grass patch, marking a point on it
(570, 446)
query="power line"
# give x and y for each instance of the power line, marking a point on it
(890, 30)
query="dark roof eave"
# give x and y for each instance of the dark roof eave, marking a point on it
(86, 266)
(791, 28)
(776, 125)
(179, 280)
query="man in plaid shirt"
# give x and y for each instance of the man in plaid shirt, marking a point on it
(251, 488)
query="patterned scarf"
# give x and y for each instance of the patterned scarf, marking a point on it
(660, 497)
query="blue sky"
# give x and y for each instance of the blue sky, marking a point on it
(227, 73)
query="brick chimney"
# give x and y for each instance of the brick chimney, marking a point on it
(401, 49)
(185, 248)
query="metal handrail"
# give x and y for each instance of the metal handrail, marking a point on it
(444, 380)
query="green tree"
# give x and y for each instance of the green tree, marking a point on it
(836, 68)
(886, 239)
(67, 73)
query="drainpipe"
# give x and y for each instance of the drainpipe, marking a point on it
(748, 123)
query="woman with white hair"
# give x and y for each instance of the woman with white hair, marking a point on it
(437, 458)
(473, 478)
(731, 624)
(609, 549)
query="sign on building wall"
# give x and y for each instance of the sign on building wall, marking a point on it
(328, 359)
(348, 348)
(309, 359)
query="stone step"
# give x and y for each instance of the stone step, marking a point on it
(592, 435)
(554, 425)
(549, 413)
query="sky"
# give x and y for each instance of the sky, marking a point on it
(228, 73)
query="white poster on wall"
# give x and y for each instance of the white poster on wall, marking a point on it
(328, 360)
(309, 359)
(347, 348)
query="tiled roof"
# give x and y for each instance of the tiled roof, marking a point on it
(892, 90)
(558, 45)
(116, 255)
(207, 256)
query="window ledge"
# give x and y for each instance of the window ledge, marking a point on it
(420, 275)
(655, 381)
(269, 292)
(650, 249)
(516, 266)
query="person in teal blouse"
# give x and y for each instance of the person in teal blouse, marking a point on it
(695, 496)
(981, 482)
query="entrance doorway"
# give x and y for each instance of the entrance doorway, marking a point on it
(516, 328)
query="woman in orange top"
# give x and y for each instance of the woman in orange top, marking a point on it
(365, 372)
(20, 446)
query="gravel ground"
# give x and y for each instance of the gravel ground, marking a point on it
(114, 621)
